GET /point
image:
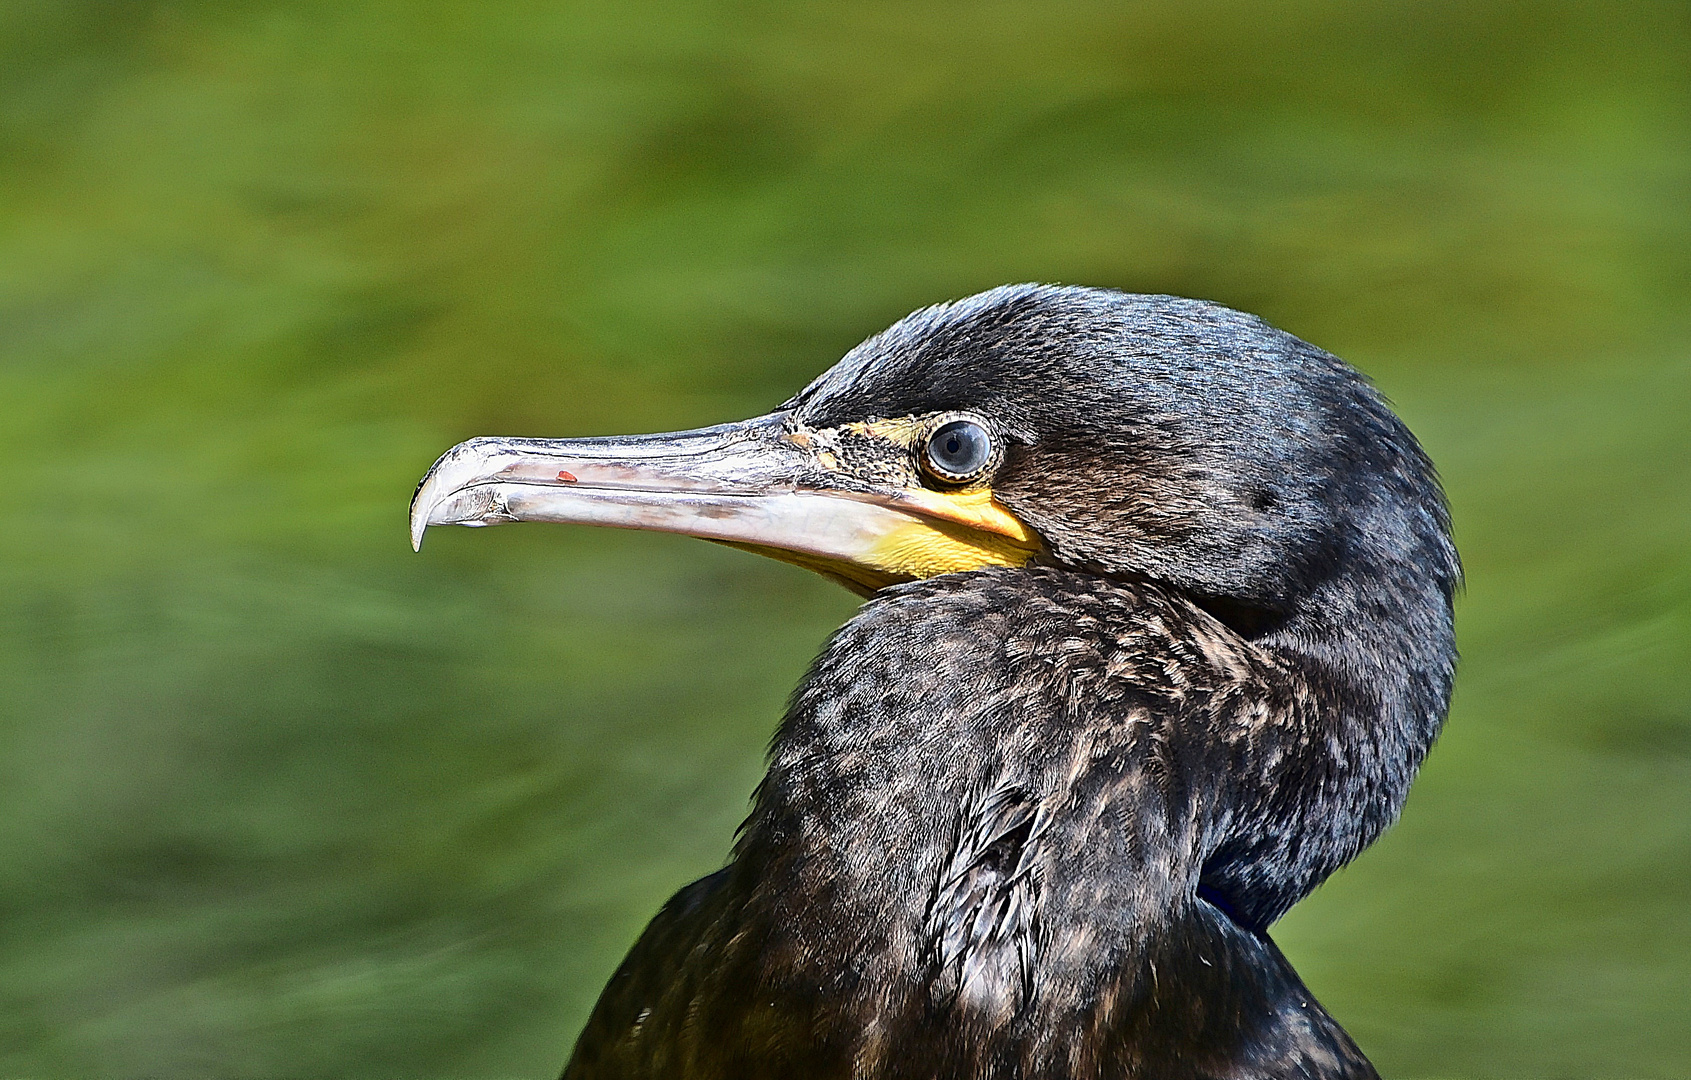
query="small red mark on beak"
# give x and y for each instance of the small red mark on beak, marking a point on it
(566, 477)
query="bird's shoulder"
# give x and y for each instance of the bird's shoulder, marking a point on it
(654, 1017)
(616, 1032)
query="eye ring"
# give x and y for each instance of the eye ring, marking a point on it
(958, 450)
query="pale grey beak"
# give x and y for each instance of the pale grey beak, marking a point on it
(751, 484)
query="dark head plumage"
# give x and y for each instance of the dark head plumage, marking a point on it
(1173, 439)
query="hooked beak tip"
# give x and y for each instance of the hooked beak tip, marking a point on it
(421, 506)
(419, 525)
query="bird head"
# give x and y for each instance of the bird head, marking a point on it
(1169, 440)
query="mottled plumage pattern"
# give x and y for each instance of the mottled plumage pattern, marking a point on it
(1129, 721)
(982, 927)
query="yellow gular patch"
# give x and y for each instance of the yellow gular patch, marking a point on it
(975, 508)
(925, 549)
(922, 549)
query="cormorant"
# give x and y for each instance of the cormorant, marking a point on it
(1159, 632)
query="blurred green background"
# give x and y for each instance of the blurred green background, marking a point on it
(280, 798)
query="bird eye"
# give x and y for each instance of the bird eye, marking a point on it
(958, 451)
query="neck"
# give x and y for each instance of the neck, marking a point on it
(988, 814)
(1372, 659)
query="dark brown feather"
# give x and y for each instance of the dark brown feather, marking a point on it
(885, 918)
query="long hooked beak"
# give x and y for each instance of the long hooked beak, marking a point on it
(755, 484)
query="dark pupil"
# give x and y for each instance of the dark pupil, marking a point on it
(959, 448)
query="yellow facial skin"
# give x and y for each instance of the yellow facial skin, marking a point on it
(974, 508)
(930, 548)
(953, 531)
(923, 549)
